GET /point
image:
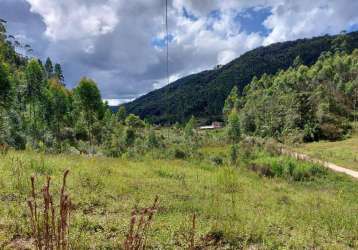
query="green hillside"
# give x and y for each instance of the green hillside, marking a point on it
(203, 94)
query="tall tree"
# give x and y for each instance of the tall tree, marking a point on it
(90, 101)
(342, 43)
(5, 86)
(233, 128)
(34, 88)
(121, 114)
(232, 101)
(2, 29)
(189, 129)
(49, 67)
(297, 62)
(58, 73)
(59, 104)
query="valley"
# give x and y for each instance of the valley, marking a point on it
(243, 156)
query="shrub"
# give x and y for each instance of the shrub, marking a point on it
(248, 147)
(272, 147)
(217, 160)
(130, 137)
(261, 169)
(152, 141)
(233, 153)
(4, 149)
(286, 168)
(83, 147)
(331, 131)
(179, 154)
(134, 121)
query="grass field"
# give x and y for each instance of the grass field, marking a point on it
(247, 210)
(343, 153)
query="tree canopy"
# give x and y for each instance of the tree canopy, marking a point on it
(315, 102)
(203, 94)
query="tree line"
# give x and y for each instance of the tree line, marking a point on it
(305, 103)
(203, 94)
(37, 111)
(302, 103)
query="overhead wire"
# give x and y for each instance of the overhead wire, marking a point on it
(167, 39)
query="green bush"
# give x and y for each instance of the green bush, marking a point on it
(179, 153)
(217, 160)
(234, 154)
(286, 168)
(152, 140)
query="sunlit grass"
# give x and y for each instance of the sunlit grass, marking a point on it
(249, 210)
(343, 153)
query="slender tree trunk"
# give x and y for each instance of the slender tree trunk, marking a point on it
(32, 122)
(89, 130)
(355, 108)
(58, 131)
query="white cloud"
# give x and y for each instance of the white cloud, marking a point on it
(226, 56)
(116, 102)
(111, 40)
(164, 81)
(306, 18)
(76, 19)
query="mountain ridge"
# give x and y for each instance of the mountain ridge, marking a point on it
(202, 94)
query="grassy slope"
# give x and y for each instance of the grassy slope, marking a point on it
(272, 213)
(343, 153)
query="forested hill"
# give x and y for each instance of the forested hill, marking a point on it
(203, 94)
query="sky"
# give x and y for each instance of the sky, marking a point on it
(120, 44)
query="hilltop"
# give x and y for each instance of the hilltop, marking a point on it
(203, 94)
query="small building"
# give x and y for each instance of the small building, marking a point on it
(214, 125)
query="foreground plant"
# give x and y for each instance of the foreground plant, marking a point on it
(50, 229)
(136, 238)
(188, 238)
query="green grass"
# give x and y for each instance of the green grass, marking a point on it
(251, 211)
(343, 153)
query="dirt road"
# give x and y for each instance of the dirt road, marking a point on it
(326, 164)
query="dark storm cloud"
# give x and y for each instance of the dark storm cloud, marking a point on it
(26, 26)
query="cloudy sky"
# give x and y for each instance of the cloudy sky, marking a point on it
(119, 43)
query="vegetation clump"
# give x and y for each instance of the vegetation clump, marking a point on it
(286, 168)
(136, 238)
(316, 102)
(50, 227)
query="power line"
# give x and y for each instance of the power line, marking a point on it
(167, 38)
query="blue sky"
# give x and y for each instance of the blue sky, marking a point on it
(120, 44)
(251, 20)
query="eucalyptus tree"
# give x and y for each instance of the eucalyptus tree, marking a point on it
(231, 102)
(49, 68)
(121, 114)
(89, 102)
(60, 105)
(5, 87)
(34, 90)
(233, 126)
(58, 73)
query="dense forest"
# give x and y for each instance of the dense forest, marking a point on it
(203, 94)
(303, 103)
(37, 111)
